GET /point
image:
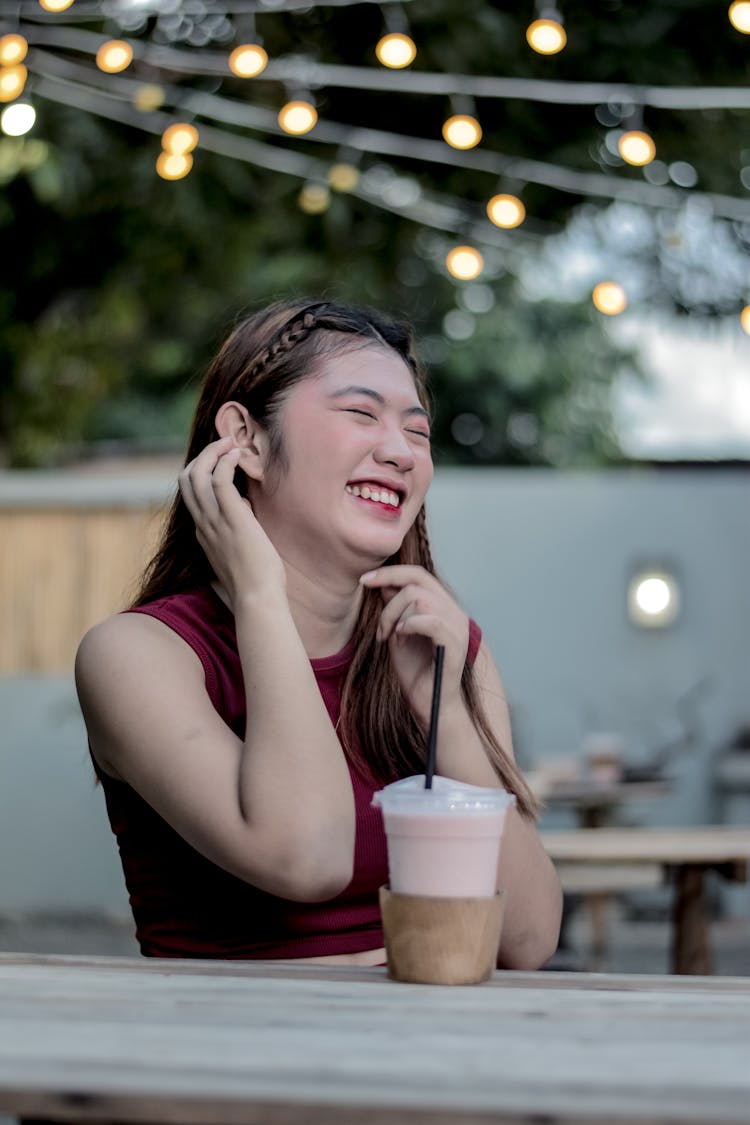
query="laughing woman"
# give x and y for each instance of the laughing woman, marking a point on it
(276, 667)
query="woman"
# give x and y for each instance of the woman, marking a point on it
(274, 674)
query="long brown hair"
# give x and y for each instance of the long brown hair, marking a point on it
(262, 359)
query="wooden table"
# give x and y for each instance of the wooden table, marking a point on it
(216, 1043)
(595, 802)
(684, 853)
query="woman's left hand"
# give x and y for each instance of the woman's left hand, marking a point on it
(419, 614)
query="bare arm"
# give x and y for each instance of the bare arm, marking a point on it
(275, 809)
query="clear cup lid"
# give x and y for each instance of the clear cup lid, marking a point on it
(446, 793)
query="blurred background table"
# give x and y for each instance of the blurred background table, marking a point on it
(684, 853)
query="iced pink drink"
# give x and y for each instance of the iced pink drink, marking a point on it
(444, 841)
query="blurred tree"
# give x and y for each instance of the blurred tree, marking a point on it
(123, 284)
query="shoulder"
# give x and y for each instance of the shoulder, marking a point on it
(127, 645)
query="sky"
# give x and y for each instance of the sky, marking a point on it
(697, 402)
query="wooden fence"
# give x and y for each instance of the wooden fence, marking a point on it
(63, 567)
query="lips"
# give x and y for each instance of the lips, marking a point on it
(380, 484)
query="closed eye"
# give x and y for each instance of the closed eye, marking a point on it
(419, 433)
(354, 410)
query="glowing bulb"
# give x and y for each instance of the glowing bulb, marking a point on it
(248, 60)
(297, 117)
(636, 147)
(739, 16)
(149, 97)
(745, 319)
(179, 139)
(343, 177)
(506, 211)
(653, 598)
(462, 131)
(18, 119)
(546, 36)
(464, 262)
(114, 55)
(13, 49)
(12, 81)
(174, 165)
(55, 5)
(313, 199)
(396, 50)
(609, 298)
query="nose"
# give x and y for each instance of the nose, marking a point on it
(394, 449)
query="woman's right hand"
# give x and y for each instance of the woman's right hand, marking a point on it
(243, 557)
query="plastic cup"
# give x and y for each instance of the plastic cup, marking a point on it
(445, 841)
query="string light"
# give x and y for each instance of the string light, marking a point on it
(609, 298)
(739, 16)
(12, 81)
(149, 97)
(464, 263)
(745, 319)
(636, 147)
(396, 50)
(248, 60)
(13, 49)
(55, 5)
(179, 139)
(314, 199)
(114, 55)
(297, 117)
(546, 35)
(343, 176)
(16, 120)
(506, 211)
(173, 166)
(462, 131)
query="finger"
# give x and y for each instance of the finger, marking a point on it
(399, 576)
(225, 492)
(409, 600)
(195, 478)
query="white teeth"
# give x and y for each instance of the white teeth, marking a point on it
(381, 496)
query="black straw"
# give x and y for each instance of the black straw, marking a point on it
(432, 736)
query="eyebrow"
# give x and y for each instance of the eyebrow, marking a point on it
(368, 392)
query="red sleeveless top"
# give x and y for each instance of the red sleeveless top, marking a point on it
(186, 906)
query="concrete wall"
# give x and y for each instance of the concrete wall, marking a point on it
(542, 560)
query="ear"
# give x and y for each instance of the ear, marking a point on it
(233, 420)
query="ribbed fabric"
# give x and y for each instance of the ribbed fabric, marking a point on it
(186, 906)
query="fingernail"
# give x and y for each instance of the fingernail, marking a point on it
(370, 574)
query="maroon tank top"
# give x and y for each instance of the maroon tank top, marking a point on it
(186, 906)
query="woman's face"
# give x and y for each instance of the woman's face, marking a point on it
(357, 445)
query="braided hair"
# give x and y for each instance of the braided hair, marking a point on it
(260, 362)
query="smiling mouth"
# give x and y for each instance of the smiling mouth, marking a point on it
(376, 493)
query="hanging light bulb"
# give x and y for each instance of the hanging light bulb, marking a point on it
(546, 35)
(297, 117)
(396, 50)
(343, 176)
(462, 131)
(745, 319)
(16, 120)
(13, 49)
(314, 199)
(464, 262)
(173, 165)
(179, 139)
(506, 211)
(114, 55)
(609, 298)
(55, 5)
(12, 81)
(248, 60)
(636, 147)
(739, 16)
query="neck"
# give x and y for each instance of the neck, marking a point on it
(324, 608)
